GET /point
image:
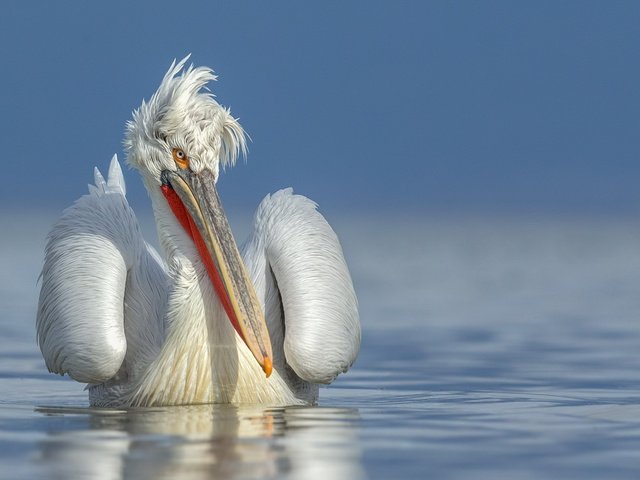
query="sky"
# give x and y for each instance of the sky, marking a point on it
(394, 105)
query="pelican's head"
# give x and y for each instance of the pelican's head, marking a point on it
(181, 117)
(177, 141)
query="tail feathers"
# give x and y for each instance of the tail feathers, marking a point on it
(114, 183)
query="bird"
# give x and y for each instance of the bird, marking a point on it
(205, 321)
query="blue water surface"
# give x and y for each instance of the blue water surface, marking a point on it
(493, 347)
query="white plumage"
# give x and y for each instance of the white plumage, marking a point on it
(143, 331)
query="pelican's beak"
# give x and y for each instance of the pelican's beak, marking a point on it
(194, 200)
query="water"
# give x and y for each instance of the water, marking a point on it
(492, 348)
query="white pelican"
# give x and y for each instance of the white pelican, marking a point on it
(191, 329)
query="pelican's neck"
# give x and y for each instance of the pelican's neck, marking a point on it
(196, 327)
(192, 295)
(176, 245)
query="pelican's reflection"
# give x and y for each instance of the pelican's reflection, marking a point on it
(203, 441)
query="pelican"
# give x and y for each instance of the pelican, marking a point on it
(203, 323)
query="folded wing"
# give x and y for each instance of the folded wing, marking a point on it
(90, 254)
(319, 305)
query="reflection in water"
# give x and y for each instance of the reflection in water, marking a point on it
(203, 441)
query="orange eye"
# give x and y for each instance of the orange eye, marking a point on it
(180, 157)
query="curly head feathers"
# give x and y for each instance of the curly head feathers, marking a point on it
(183, 114)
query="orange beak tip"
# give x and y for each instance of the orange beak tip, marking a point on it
(267, 366)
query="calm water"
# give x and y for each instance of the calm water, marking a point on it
(493, 348)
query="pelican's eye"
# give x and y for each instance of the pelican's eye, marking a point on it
(180, 158)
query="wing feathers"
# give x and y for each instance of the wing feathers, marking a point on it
(89, 251)
(322, 328)
(116, 179)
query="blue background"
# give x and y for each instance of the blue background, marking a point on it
(397, 106)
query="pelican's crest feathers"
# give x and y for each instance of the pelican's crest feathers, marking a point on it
(183, 114)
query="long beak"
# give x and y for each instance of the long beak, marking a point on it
(195, 202)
